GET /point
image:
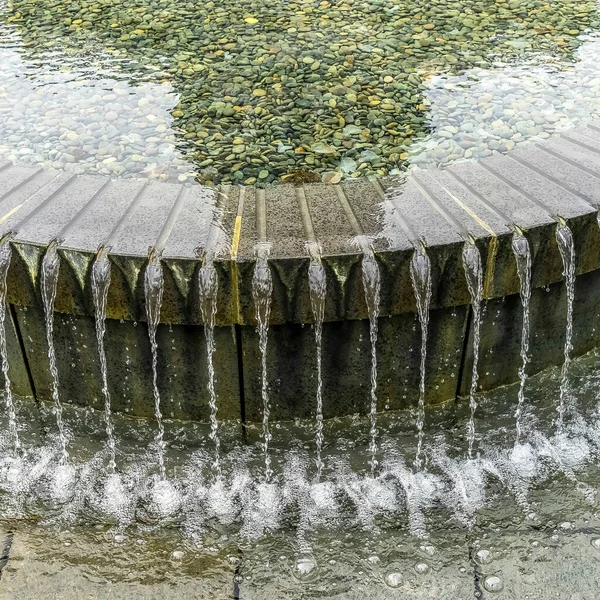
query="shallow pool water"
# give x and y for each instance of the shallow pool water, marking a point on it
(262, 92)
(522, 521)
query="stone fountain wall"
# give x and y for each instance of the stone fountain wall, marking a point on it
(530, 190)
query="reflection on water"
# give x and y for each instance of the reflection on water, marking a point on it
(484, 111)
(247, 93)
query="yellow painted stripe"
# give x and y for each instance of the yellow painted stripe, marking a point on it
(470, 212)
(235, 242)
(10, 213)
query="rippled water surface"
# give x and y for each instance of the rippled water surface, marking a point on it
(520, 519)
(263, 92)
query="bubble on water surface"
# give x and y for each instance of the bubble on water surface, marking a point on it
(305, 568)
(493, 583)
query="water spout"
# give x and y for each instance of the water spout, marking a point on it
(420, 275)
(564, 238)
(474, 276)
(522, 253)
(317, 284)
(262, 289)
(208, 287)
(50, 270)
(372, 287)
(153, 289)
(100, 285)
(5, 257)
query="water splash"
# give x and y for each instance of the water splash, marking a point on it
(420, 275)
(50, 270)
(474, 276)
(520, 247)
(564, 238)
(5, 257)
(317, 285)
(262, 289)
(208, 287)
(372, 286)
(100, 285)
(153, 289)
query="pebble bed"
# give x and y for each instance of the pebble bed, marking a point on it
(261, 92)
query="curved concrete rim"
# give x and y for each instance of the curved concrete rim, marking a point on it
(529, 190)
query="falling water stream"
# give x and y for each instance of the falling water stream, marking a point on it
(372, 286)
(208, 287)
(262, 289)
(50, 269)
(564, 238)
(153, 289)
(317, 284)
(474, 277)
(5, 257)
(100, 285)
(522, 253)
(420, 275)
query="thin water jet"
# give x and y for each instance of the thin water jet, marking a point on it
(522, 253)
(371, 287)
(153, 290)
(208, 284)
(5, 258)
(420, 275)
(50, 271)
(262, 290)
(317, 284)
(100, 285)
(474, 276)
(564, 239)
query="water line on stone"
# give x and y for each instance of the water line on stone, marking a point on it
(262, 290)
(522, 254)
(474, 276)
(100, 285)
(317, 284)
(564, 238)
(372, 287)
(420, 275)
(208, 287)
(5, 258)
(153, 290)
(50, 271)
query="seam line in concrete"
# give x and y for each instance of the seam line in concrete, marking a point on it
(305, 215)
(79, 215)
(126, 215)
(13, 313)
(345, 204)
(555, 180)
(450, 218)
(406, 226)
(169, 225)
(519, 191)
(240, 360)
(470, 212)
(567, 160)
(261, 215)
(577, 142)
(463, 354)
(20, 185)
(38, 209)
(467, 186)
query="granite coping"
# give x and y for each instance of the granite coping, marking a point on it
(529, 191)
